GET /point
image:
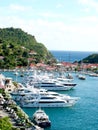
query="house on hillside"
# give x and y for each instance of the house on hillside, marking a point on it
(9, 86)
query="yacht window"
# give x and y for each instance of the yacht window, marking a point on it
(47, 97)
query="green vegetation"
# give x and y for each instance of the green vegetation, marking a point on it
(5, 124)
(2, 91)
(16, 47)
(91, 59)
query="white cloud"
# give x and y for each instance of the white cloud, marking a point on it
(84, 1)
(87, 20)
(59, 5)
(17, 7)
(51, 15)
(86, 10)
(90, 3)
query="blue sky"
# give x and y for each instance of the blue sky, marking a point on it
(58, 24)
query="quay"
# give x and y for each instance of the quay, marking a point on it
(18, 118)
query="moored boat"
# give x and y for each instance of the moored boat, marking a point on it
(41, 119)
(55, 85)
(82, 77)
(33, 97)
(46, 101)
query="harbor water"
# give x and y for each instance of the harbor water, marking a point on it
(82, 116)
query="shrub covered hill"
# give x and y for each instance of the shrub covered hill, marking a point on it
(17, 46)
(93, 58)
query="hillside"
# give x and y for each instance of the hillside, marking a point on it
(17, 46)
(91, 59)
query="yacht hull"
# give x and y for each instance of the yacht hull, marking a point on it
(68, 104)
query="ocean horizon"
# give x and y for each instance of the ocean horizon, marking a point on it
(70, 56)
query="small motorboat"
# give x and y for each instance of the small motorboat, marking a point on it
(82, 77)
(41, 119)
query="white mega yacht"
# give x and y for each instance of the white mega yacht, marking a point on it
(45, 101)
(32, 91)
(55, 85)
(34, 97)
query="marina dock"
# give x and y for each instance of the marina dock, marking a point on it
(18, 118)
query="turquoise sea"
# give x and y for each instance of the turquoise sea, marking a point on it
(82, 116)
